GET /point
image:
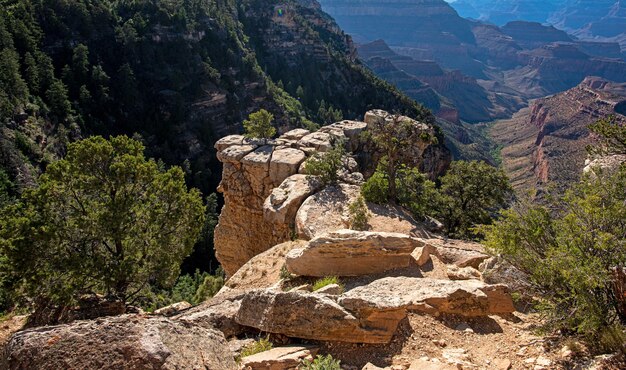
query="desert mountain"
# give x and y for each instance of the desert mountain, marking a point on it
(499, 67)
(546, 142)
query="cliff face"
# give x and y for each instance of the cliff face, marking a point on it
(264, 188)
(546, 142)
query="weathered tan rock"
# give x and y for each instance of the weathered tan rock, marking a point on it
(422, 254)
(420, 364)
(295, 134)
(263, 270)
(462, 273)
(327, 211)
(234, 154)
(217, 313)
(458, 252)
(123, 342)
(320, 141)
(312, 316)
(467, 298)
(173, 309)
(330, 289)
(228, 141)
(352, 253)
(284, 163)
(279, 358)
(284, 201)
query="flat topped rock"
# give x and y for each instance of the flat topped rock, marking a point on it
(458, 252)
(279, 358)
(467, 298)
(309, 316)
(121, 342)
(295, 134)
(320, 141)
(234, 154)
(284, 163)
(228, 141)
(260, 156)
(352, 253)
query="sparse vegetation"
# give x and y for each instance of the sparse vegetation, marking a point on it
(573, 252)
(259, 125)
(261, 345)
(327, 165)
(328, 280)
(612, 137)
(359, 214)
(321, 362)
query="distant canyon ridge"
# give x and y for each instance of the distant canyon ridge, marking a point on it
(474, 61)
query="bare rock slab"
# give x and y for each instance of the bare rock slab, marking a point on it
(467, 297)
(123, 342)
(284, 201)
(279, 358)
(352, 253)
(312, 316)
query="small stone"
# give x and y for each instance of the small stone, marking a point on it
(464, 327)
(502, 364)
(543, 361)
(440, 342)
(331, 289)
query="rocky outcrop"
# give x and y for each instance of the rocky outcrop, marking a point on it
(121, 342)
(352, 253)
(264, 190)
(466, 298)
(309, 316)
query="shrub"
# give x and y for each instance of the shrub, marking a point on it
(259, 346)
(104, 220)
(359, 214)
(573, 252)
(327, 165)
(471, 194)
(321, 363)
(259, 125)
(328, 280)
(414, 191)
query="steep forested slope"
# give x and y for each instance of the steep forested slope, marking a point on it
(181, 73)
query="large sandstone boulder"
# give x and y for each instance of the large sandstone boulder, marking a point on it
(123, 342)
(312, 316)
(284, 201)
(352, 253)
(217, 313)
(431, 296)
(457, 252)
(328, 210)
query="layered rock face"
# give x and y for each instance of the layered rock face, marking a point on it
(264, 187)
(546, 143)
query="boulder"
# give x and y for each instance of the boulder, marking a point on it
(217, 313)
(284, 201)
(279, 358)
(295, 134)
(462, 273)
(313, 316)
(284, 163)
(234, 154)
(229, 141)
(173, 309)
(327, 211)
(458, 252)
(320, 141)
(352, 253)
(263, 270)
(467, 298)
(330, 289)
(123, 342)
